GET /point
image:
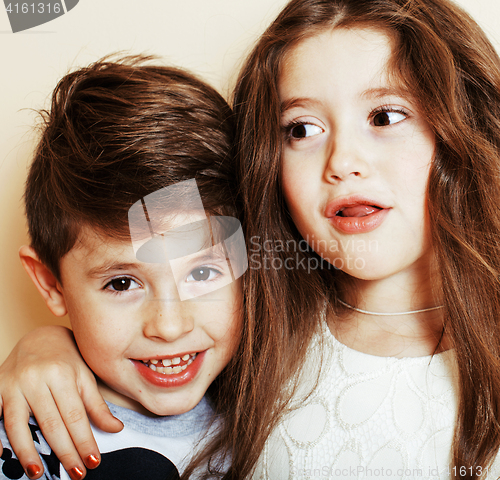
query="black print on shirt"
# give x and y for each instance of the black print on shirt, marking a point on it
(133, 464)
(11, 467)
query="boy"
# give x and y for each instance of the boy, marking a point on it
(131, 160)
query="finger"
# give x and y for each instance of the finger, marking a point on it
(16, 416)
(1, 418)
(56, 434)
(75, 418)
(99, 412)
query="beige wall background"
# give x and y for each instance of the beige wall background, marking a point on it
(209, 37)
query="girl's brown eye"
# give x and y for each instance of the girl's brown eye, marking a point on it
(383, 119)
(298, 131)
(304, 130)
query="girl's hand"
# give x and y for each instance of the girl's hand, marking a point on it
(45, 373)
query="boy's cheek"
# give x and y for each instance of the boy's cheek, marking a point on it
(232, 338)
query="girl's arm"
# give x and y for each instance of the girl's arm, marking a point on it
(45, 373)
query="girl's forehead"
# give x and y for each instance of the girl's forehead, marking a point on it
(377, 41)
(340, 59)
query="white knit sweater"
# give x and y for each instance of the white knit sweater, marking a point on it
(369, 417)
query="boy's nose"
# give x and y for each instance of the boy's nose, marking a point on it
(346, 157)
(168, 320)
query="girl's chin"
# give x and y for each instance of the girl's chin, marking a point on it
(361, 268)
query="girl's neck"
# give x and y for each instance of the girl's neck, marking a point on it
(413, 335)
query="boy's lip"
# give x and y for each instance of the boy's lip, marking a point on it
(356, 224)
(170, 357)
(170, 380)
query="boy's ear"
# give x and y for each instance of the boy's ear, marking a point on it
(44, 281)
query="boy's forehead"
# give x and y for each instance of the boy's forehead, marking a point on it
(193, 240)
(179, 225)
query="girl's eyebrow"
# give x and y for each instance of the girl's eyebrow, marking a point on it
(297, 103)
(392, 91)
(371, 93)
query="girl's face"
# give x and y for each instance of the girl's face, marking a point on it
(356, 155)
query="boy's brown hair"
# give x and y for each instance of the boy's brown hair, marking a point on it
(117, 131)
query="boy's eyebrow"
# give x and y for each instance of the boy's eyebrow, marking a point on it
(105, 268)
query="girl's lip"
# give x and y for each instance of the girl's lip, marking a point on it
(351, 225)
(172, 380)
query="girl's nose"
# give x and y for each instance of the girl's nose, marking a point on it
(346, 157)
(168, 320)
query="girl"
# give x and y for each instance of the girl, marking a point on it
(373, 127)
(370, 130)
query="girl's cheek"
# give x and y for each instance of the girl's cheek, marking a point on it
(305, 146)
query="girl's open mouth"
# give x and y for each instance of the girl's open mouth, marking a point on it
(358, 211)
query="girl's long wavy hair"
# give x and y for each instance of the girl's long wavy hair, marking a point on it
(452, 70)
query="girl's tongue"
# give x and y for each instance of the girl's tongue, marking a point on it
(358, 211)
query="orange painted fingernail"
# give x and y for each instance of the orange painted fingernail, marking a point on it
(32, 470)
(92, 461)
(76, 473)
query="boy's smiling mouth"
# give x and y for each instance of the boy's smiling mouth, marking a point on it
(182, 369)
(170, 366)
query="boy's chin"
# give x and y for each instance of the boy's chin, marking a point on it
(151, 409)
(172, 404)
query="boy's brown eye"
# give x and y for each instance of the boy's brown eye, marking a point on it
(201, 274)
(121, 284)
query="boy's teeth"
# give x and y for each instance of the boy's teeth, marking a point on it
(165, 366)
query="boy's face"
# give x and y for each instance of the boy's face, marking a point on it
(149, 347)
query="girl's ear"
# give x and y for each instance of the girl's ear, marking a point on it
(44, 281)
